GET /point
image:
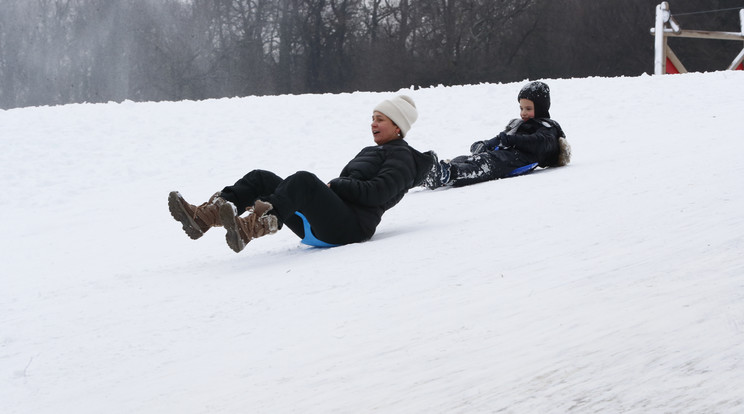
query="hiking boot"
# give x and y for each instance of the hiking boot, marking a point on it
(241, 230)
(195, 220)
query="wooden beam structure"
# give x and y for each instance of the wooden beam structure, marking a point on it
(666, 61)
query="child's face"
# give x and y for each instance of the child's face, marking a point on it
(526, 109)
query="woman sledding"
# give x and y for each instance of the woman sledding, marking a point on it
(346, 210)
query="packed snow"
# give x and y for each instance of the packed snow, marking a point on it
(615, 284)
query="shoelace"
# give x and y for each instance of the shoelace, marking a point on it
(207, 215)
(252, 226)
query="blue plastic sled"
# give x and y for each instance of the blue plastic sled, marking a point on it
(310, 238)
(522, 170)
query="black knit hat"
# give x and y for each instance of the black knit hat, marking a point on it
(539, 93)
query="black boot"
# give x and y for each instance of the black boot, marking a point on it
(439, 175)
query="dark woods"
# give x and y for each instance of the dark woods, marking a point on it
(62, 51)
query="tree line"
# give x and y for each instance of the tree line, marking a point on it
(63, 51)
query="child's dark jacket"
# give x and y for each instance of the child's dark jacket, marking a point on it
(535, 140)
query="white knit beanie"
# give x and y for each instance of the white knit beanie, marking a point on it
(401, 110)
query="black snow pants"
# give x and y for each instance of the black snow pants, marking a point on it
(485, 166)
(332, 220)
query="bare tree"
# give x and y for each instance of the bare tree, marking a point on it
(59, 51)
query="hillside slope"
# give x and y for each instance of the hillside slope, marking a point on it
(615, 284)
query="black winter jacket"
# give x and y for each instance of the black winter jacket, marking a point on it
(534, 141)
(378, 178)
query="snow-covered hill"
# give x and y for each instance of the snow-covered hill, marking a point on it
(615, 284)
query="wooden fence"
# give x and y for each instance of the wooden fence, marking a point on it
(665, 61)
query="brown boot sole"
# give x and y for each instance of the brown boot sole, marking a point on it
(175, 205)
(229, 222)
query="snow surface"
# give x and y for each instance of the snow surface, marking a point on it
(615, 284)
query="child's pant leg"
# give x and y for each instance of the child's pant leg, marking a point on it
(485, 166)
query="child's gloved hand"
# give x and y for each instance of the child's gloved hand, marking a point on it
(503, 140)
(478, 147)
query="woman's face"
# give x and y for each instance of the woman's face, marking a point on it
(526, 109)
(383, 129)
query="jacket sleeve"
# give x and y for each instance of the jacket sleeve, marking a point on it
(392, 173)
(492, 143)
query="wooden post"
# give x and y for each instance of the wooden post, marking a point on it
(740, 57)
(662, 13)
